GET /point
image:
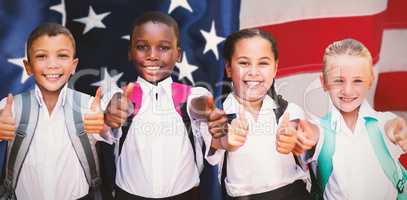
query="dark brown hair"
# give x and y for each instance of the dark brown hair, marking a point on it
(49, 29)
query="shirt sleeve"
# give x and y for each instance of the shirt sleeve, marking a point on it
(200, 128)
(295, 111)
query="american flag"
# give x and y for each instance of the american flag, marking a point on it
(303, 28)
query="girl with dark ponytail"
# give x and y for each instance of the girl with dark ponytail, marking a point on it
(259, 144)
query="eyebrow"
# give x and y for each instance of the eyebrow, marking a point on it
(265, 57)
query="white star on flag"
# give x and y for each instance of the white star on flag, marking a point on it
(126, 37)
(108, 83)
(186, 69)
(212, 40)
(19, 62)
(93, 20)
(61, 9)
(177, 3)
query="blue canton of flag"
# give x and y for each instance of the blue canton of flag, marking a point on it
(102, 33)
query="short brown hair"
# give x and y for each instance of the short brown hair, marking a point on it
(49, 29)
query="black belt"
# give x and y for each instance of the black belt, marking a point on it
(192, 194)
(293, 191)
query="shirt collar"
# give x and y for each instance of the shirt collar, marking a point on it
(231, 105)
(147, 87)
(61, 97)
(365, 111)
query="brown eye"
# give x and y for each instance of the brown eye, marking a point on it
(243, 63)
(164, 48)
(64, 56)
(141, 47)
(40, 56)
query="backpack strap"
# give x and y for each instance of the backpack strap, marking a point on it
(325, 166)
(136, 99)
(27, 121)
(75, 101)
(394, 171)
(180, 94)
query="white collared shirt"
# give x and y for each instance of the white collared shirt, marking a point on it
(357, 173)
(257, 167)
(51, 169)
(157, 159)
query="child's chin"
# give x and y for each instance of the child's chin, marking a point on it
(347, 109)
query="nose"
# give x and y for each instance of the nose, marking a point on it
(253, 71)
(347, 89)
(53, 62)
(152, 54)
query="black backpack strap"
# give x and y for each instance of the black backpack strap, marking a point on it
(187, 123)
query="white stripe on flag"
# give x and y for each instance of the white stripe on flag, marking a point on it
(256, 13)
(393, 51)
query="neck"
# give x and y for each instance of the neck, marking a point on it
(252, 106)
(50, 98)
(350, 118)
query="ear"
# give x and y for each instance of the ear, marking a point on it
(27, 67)
(276, 68)
(323, 84)
(228, 69)
(74, 65)
(179, 56)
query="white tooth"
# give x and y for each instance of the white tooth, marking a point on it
(153, 68)
(52, 75)
(252, 83)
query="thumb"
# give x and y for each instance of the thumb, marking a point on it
(304, 127)
(397, 128)
(211, 104)
(285, 120)
(96, 103)
(129, 90)
(8, 109)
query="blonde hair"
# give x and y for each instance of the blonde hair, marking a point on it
(348, 46)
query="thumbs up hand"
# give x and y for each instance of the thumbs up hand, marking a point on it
(118, 108)
(286, 136)
(396, 131)
(7, 121)
(307, 135)
(237, 133)
(93, 121)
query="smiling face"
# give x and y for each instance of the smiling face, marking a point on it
(347, 79)
(252, 68)
(154, 51)
(51, 62)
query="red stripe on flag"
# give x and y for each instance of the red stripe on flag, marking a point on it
(391, 93)
(301, 43)
(396, 15)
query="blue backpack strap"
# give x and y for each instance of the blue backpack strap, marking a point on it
(394, 171)
(27, 111)
(324, 164)
(328, 149)
(80, 140)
